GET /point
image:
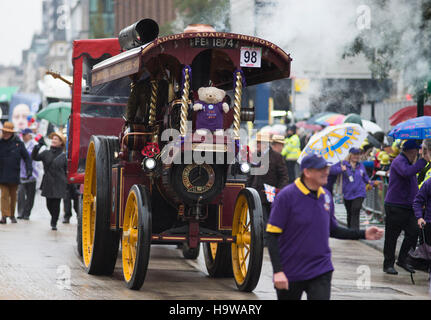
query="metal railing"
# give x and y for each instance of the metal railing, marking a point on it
(374, 202)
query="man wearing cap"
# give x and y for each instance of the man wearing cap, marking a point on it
(27, 188)
(402, 190)
(302, 220)
(291, 151)
(276, 172)
(355, 179)
(12, 150)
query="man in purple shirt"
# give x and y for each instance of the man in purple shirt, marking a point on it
(402, 189)
(302, 220)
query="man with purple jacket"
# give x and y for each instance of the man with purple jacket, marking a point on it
(424, 216)
(402, 190)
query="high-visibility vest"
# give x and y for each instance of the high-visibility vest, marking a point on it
(427, 176)
(292, 148)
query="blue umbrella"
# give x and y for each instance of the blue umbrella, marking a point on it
(416, 128)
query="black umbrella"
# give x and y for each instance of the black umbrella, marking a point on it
(373, 141)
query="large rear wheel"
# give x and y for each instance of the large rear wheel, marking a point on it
(79, 227)
(136, 240)
(247, 251)
(99, 242)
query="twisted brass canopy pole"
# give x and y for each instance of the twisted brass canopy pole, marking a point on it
(152, 117)
(184, 103)
(237, 106)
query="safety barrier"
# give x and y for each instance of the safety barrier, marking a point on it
(374, 202)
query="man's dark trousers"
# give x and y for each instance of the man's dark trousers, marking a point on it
(26, 194)
(318, 288)
(399, 219)
(291, 171)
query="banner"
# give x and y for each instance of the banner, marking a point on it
(22, 106)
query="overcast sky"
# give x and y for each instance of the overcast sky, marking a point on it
(19, 20)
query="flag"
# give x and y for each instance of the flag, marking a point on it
(270, 192)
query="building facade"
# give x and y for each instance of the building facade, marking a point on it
(128, 12)
(101, 19)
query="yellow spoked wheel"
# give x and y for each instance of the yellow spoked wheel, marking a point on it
(213, 249)
(99, 243)
(89, 205)
(136, 239)
(247, 250)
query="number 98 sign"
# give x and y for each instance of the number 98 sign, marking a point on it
(251, 57)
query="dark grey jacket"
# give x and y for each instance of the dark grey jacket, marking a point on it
(54, 181)
(11, 153)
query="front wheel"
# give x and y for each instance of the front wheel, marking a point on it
(136, 240)
(247, 250)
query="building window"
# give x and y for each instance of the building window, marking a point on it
(102, 22)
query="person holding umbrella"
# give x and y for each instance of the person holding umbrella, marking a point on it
(402, 190)
(355, 180)
(54, 181)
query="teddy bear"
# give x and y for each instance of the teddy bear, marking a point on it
(210, 108)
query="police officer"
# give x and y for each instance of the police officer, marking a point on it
(302, 220)
(402, 189)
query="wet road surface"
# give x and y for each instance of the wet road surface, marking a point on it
(38, 263)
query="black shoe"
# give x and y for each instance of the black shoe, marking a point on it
(53, 228)
(66, 220)
(26, 218)
(20, 217)
(3, 220)
(13, 220)
(406, 267)
(390, 270)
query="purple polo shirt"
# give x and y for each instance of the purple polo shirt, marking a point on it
(354, 181)
(210, 117)
(304, 222)
(423, 199)
(403, 184)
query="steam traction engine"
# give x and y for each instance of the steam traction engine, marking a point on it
(157, 181)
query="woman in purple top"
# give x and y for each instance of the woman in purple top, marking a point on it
(355, 179)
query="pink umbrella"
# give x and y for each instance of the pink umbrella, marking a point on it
(309, 126)
(331, 120)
